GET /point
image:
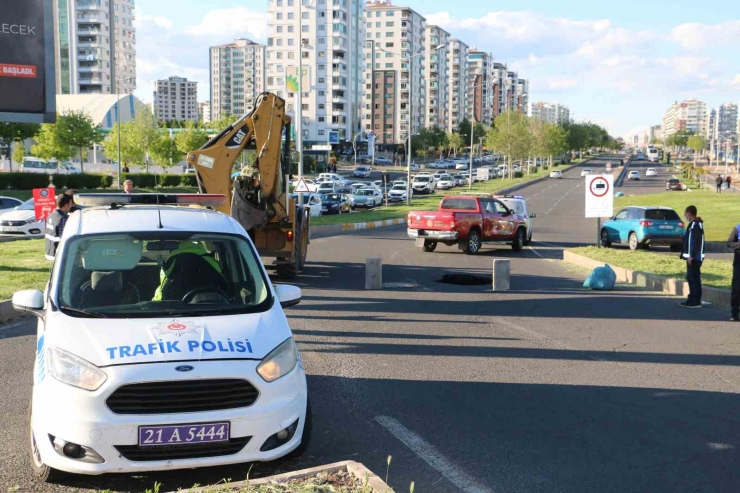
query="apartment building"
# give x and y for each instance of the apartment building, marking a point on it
(727, 121)
(457, 90)
(689, 115)
(550, 112)
(204, 111)
(655, 133)
(437, 72)
(175, 98)
(712, 125)
(95, 46)
(237, 75)
(323, 40)
(521, 100)
(395, 72)
(481, 86)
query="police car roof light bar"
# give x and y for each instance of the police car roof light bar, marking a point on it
(118, 199)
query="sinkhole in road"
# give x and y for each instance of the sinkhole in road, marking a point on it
(462, 279)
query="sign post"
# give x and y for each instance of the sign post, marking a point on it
(599, 199)
(44, 202)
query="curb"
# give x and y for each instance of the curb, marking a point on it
(331, 229)
(6, 239)
(356, 469)
(652, 282)
(717, 247)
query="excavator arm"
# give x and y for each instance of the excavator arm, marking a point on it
(262, 128)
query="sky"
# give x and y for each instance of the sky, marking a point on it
(618, 64)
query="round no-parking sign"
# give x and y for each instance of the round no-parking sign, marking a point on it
(599, 195)
(599, 186)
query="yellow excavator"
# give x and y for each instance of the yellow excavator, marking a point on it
(258, 196)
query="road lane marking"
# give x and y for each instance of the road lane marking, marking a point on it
(12, 326)
(429, 454)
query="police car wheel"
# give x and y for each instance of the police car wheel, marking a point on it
(41, 471)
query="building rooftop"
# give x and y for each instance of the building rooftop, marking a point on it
(101, 107)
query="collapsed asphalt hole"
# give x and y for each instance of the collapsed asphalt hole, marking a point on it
(464, 279)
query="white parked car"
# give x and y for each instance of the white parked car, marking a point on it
(651, 172)
(37, 165)
(445, 182)
(7, 203)
(313, 201)
(362, 171)
(586, 171)
(556, 173)
(518, 204)
(162, 344)
(312, 185)
(462, 166)
(633, 175)
(439, 174)
(397, 193)
(21, 220)
(423, 184)
(368, 197)
(328, 187)
(414, 167)
(333, 177)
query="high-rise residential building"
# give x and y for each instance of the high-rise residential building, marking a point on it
(323, 39)
(712, 125)
(500, 82)
(237, 76)
(689, 115)
(457, 70)
(175, 98)
(395, 39)
(95, 46)
(522, 96)
(204, 111)
(480, 86)
(437, 45)
(655, 133)
(727, 121)
(550, 112)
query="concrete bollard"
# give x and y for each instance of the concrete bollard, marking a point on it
(373, 273)
(501, 274)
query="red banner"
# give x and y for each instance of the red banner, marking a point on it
(44, 202)
(25, 71)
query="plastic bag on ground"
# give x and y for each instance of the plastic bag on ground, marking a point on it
(601, 278)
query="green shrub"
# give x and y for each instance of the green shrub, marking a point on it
(518, 174)
(106, 181)
(188, 180)
(24, 181)
(87, 180)
(140, 180)
(170, 180)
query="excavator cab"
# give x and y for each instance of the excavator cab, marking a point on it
(258, 196)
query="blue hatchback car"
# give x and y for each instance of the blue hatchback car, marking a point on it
(642, 227)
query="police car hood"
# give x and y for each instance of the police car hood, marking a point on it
(111, 341)
(17, 215)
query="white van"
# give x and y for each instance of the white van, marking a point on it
(333, 177)
(161, 344)
(37, 165)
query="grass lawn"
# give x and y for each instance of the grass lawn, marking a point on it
(714, 273)
(22, 266)
(720, 212)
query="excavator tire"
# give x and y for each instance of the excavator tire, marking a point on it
(300, 248)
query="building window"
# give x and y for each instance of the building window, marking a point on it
(321, 132)
(304, 29)
(322, 67)
(321, 119)
(304, 54)
(279, 29)
(322, 41)
(290, 15)
(322, 80)
(291, 41)
(279, 3)
(304, 107)
(321, 106)
(290, 29)
(304, 15)
(291, 55)
(279, 16)
(389, 24)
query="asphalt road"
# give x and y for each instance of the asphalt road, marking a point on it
(545, 388)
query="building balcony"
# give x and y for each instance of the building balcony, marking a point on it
(83, 6)
(92, 19)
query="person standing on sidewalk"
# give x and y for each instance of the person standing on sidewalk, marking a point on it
(55, 225)
(733, 242)
(693, 253)
(718, 181)
(728, 181)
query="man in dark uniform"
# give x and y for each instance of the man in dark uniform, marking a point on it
(693, 253)
(55, 225)
(734, 243)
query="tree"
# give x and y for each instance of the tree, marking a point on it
(697, 143)
(18, 153)
(479, 132)
(130, 153)
(556, 140)
(164, 151)
(454, 142)
(145, 132)
(14, 132)
(511, 135)
(222, 122)
(77, 130)
(190, 138)
(48, 146)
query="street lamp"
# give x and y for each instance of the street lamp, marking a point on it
(118, 121)
(354, 144)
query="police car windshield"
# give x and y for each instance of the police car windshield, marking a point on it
(160, 275)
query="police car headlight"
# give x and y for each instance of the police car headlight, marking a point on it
(279, 362)
(74, 371)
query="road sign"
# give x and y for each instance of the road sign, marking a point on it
(302, 187)
(599, 195)
(44, 202)
(334, 137)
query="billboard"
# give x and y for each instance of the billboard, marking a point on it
(291, 79)
(27, 82)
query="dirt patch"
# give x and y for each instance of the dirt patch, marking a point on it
(336, 482)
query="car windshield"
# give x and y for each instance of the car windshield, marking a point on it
(364, 192)
(160, 274)
(460, 204)
(422, 179)
(26, 206)
(662, 215)
(331, 197)
(399, 187)
(327, 184)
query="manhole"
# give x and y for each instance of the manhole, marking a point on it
(465, 279)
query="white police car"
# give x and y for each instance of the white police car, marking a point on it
(162, 344)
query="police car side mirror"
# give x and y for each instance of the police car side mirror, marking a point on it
(532, 215)
(29, 300)
(288, 295)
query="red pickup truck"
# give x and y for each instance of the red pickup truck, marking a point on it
(468, 222)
